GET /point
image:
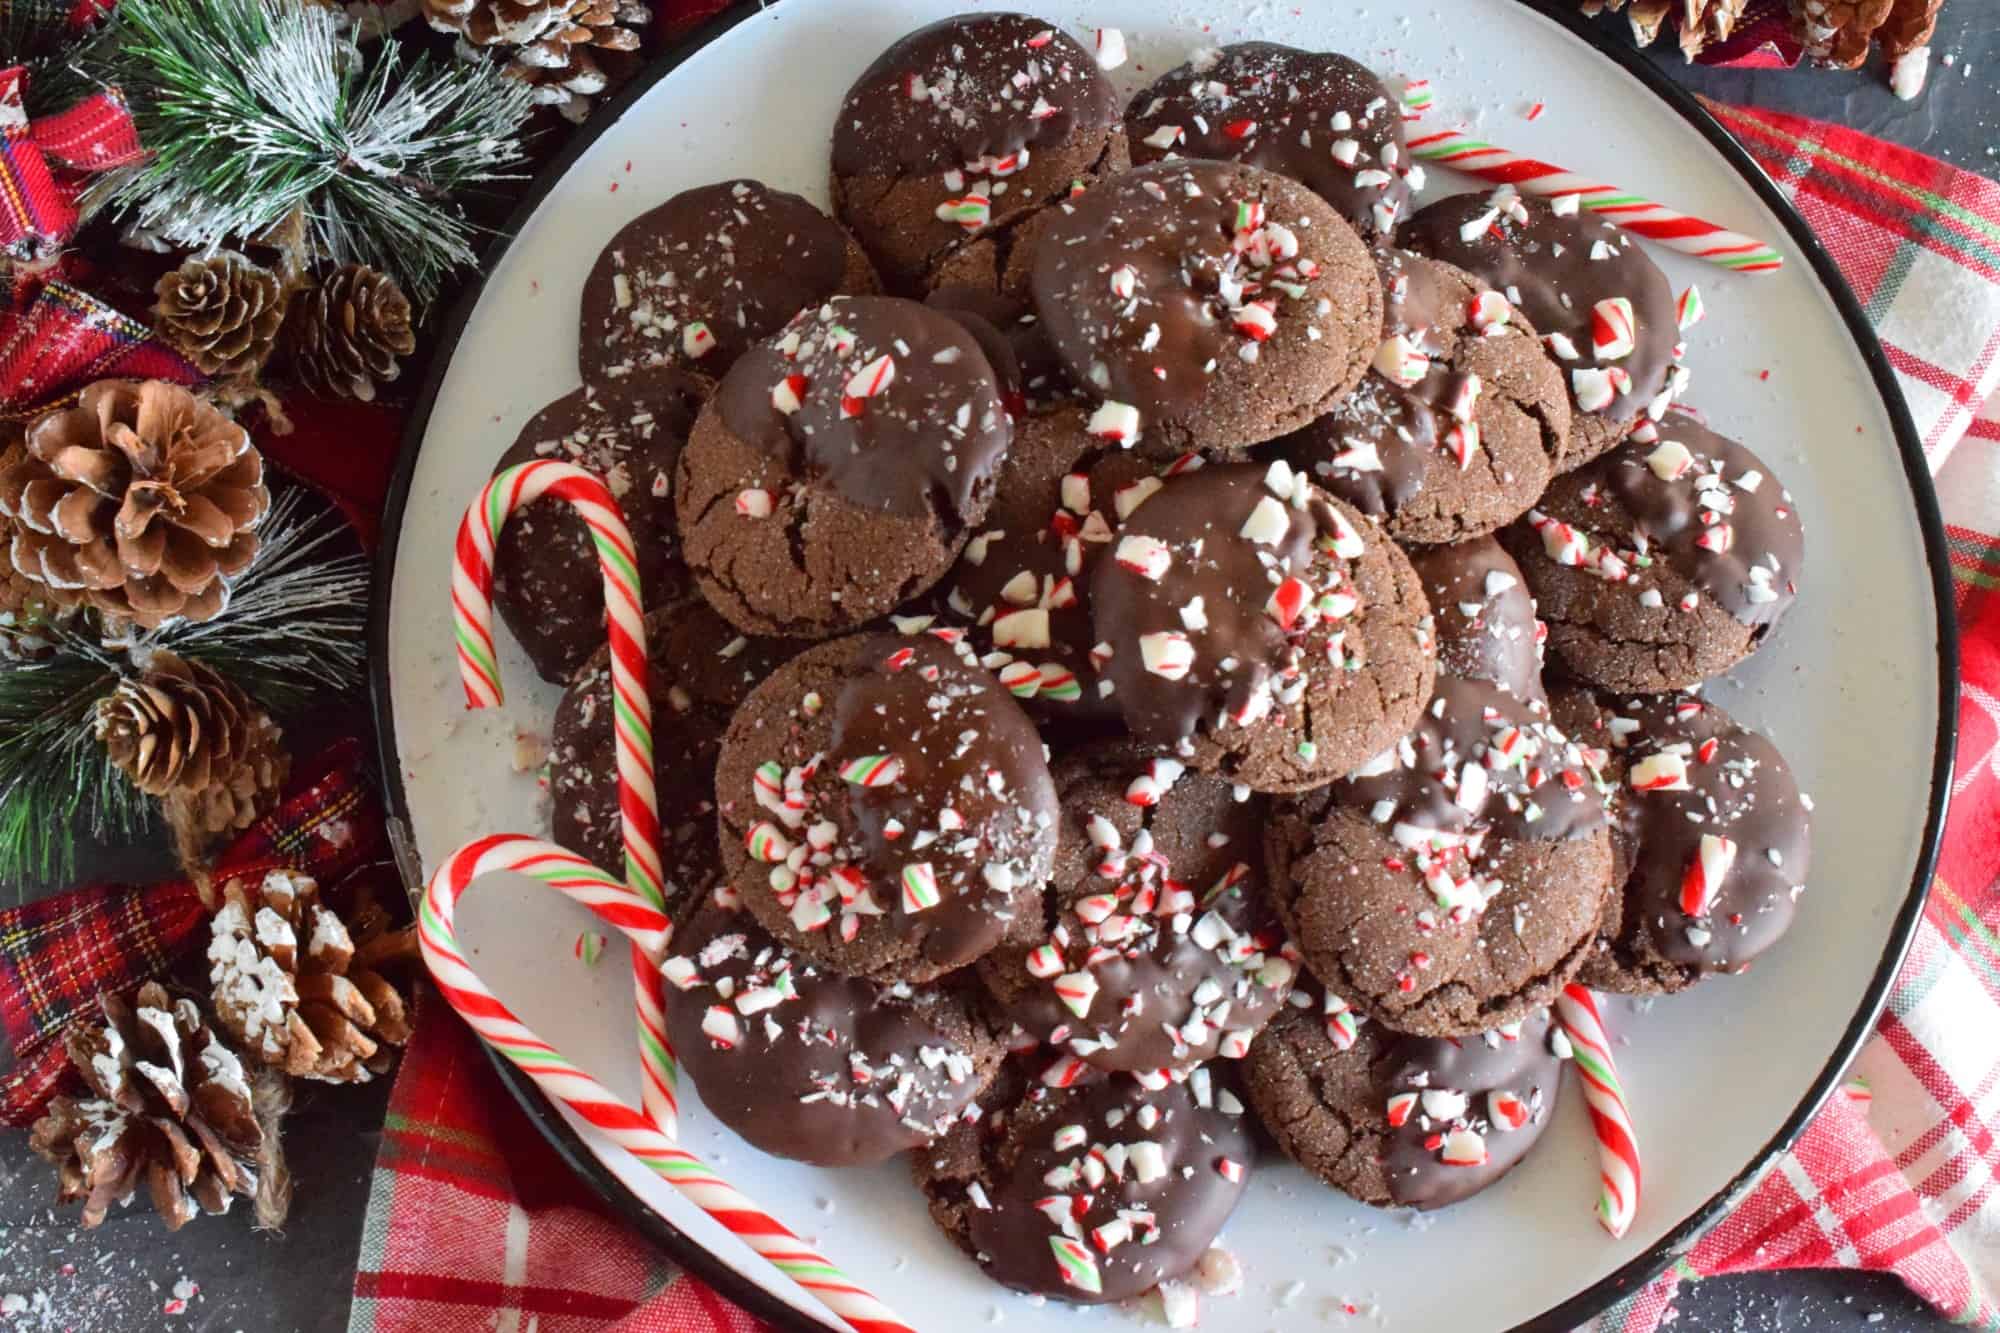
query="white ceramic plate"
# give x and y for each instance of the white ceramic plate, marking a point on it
(1850, 687)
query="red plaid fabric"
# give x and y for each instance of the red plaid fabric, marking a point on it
(45, 164)
(54, 339)
(1900, 1180)
(57, 955)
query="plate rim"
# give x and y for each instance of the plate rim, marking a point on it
(1599, 1295)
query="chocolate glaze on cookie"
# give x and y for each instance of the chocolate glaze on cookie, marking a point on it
(1484, 618)
(1022, 584)
(546, 583)
(1208, 304)
(1558, 269)
(885, 806)
(1315, 116)
(1664, 562)
(809, 1064)
(1457, 426)
(964, 126)
(1162, 952)
(1419, 1122)
(696, 280)
(840, 465)
(1150, 1176)
(1257, 628)
(698, 670)
(1715, 833)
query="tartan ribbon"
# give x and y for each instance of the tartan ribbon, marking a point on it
(46, 164)
(56, 338)
(58, 954)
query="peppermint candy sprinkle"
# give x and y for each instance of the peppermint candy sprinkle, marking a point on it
(865, 383)
(872, 770)
(696, 341)
(1664, 771)
(1110, 49)
(1117, 422)
(754, 503)
(920, 888)
(1401, 361)
(1167, 654)
(1713, 858)
(789, 393)
(1596, 390)
(1614, 329)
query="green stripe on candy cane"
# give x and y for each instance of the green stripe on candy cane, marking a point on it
(1618, 1167)
(509, 491)
(623, 909)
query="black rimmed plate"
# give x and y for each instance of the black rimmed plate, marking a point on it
(1857, 686)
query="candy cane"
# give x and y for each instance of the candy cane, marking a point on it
(1642, 217)
(638, 806)
(1610, 1119)
(649, 929)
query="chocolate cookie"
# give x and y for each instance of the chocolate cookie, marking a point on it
(696, 280)
(546, 583)
(885, 807)
(965, 126)
(1458, 424)
(1257, 629)
(1484, 618)
(1664, 562)
(1714, 839)
(808, 1064)
(1456, 881)
(1601, 305)
(698, 669)
(1206, 304)
(1094, 1191)
(840, 467)
(1022, 584)
(1162, 952)
(1415, 1122)
(1315, 116)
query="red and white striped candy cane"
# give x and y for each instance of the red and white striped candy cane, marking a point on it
(1610, 1118)
(648, 928)
(1641, 216)
(479, 669)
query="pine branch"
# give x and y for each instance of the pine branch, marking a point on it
(56, 784)
(293, 633)
(255, 107)
(295, 629)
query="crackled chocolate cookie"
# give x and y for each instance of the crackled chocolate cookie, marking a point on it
(696, 280)
(965, 126)
(1091, 1188)
(698, 670)
(1664, 562)
(1315, 116)
(1205, 304)
(1398, 1121)
(840, 467)
(1714, 838)
(809, 1064)
(1483, 616)
(1022, 584)
(885, 806)
(546, 583)
(1162, 952)
(1457, 880)
(1603, 308)
(1257, 629)
(1458, 424)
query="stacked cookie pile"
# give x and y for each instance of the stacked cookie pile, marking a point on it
(1103, 581)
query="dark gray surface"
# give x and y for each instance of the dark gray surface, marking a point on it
(121, 1277)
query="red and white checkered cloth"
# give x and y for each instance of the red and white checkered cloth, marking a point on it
(471, 1225)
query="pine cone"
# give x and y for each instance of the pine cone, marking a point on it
(222, 313)
(141, 501)
(1646, 17)
(569, 51)
(1908, 27)
(170, 1108)
(184, 734)
(26, 611)
(346, 333)
(325, 1013)
(1706, 22)
(1839, 32)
